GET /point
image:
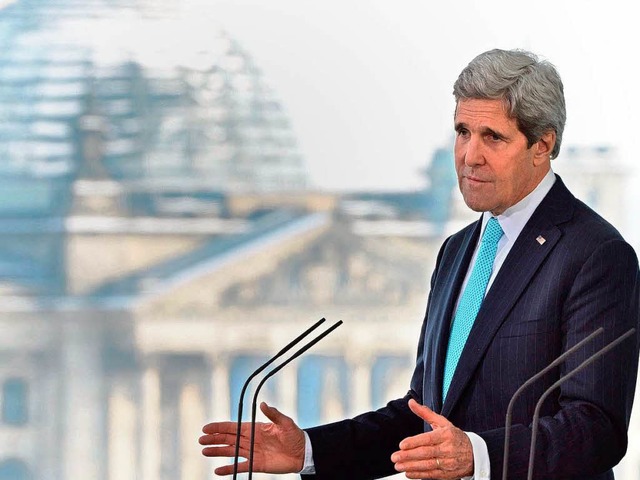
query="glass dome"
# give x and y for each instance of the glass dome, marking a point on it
(141, 103)
(145, 95)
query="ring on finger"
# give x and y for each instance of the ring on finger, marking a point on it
(438, 462)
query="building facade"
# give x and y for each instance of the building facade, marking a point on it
(159, 240)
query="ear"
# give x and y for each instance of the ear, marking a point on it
(543, 147)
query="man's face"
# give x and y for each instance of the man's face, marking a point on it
(495, 168)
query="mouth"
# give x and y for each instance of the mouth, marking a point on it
(474, 180)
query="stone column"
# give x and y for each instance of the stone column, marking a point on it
(220, 405)
(151, 424)
(123, 445)
(192, 417)
(84, 402)
(360, 363)
(220, 408)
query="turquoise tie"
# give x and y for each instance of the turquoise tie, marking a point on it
(471, 300)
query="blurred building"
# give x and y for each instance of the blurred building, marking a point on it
(159, 240)
(597, 176)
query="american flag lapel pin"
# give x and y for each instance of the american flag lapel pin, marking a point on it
(541, 239)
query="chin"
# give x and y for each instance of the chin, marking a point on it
(476, 207)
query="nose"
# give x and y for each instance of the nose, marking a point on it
(473, 152)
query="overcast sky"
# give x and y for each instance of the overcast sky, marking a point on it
(367, 83)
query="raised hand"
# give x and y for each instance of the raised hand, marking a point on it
(444, 453)
(278, 448)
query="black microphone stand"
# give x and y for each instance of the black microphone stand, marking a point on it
(536, 414)
(260, 369)
(269, 375)
(518, 392)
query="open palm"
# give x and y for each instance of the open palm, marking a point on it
(278, 446)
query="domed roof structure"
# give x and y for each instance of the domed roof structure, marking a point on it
(151, 98)
(129, 108)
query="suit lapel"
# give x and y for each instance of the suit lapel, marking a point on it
(442, 313)
(521, 264)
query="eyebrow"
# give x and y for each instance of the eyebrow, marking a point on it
(484, 130)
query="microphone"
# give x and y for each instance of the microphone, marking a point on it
(536, 414)
(260, 369)
(518, 392)
(269, 375)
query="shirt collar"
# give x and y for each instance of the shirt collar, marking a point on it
(514, 218)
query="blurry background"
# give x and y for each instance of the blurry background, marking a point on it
(187, 185)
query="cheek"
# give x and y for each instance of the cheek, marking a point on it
(507, 171)
(520, 177)
(458, 153)
(458, 161)
(458, 167)
(511, 181)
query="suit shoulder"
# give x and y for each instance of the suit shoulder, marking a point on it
(590, 223)
(589, 232)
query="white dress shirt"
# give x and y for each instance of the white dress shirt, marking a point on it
(512, 221)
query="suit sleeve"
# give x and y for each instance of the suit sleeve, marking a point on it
(588, 433)
(360, 448)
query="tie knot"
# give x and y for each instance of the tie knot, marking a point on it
(493, 232)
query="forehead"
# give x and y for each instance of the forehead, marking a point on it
(482, 112)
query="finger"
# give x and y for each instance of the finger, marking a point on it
(419, 474)
(415, 454)
(220, 427)
(422, 440)
(225, 451)
(274, 414)
(431, 469)
(219, 439)
(424, 467)
(428, 415)
(228, 469)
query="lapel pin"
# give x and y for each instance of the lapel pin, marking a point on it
(541, 239)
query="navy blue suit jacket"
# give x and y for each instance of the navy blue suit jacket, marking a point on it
(545, 299)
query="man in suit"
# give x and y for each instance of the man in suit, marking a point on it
(537, 273)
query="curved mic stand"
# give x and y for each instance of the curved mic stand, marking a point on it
(536, 414)
(508, 417)
(260, 369)
(269, 375)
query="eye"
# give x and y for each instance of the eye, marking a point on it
(494, 137)
(462, 132)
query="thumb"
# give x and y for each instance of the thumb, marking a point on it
(428, 415)
(274, 414)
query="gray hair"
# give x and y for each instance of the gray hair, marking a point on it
(531, 90)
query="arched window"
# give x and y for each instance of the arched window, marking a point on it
(14, 469)
(15, 405)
